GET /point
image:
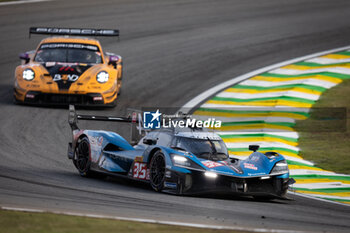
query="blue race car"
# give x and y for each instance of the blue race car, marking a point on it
(177, 160)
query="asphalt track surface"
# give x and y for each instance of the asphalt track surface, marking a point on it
(173, 51)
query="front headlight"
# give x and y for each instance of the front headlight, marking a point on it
(211, 174)
(28, 74)
(181, 160)
(280, 168)
(102, 77)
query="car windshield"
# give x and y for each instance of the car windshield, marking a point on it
(203, 148)
(68, 53)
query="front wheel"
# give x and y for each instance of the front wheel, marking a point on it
(157, 171)
(112, 104)
(82, 159)
(15, 101)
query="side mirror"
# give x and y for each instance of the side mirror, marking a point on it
(25, 57)
(254, 147)
(149, 141)
(113, 60)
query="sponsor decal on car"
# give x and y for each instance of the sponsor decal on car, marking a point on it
(254, 158)
(168, 174)
(170, 185)
(250, 166)
(138, 159)
(69, 45)
(50, 63)
(140, 171)
(96, 140)
(212, 164)
(100, 141)
(69, 77)
(257, 174)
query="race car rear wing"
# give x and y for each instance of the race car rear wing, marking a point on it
(73, 118)
(73, 31)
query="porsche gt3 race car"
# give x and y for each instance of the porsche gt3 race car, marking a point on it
(177, 160)
(66, 69)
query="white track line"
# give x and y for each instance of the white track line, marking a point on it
(148, 220)
(21, 2)
(247, 119)
(339, 70)
(320, 185)
(306, 81)
(293, 135)
(262, 144)
(249, 96)
(328, 61)
(317, 198)
(212, 91)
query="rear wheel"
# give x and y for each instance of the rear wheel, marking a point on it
(119, 86)
(157, 171)
(82, 159)
(120, 78)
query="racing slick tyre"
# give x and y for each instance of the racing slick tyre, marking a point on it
(112, 104)
(120, 84)
(82, 160)
(157, 171)
(15, 101)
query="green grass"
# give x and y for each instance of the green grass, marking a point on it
(324, 137)
(18, 222)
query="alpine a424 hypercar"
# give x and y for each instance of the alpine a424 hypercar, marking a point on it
(177, 160)
(65, 69)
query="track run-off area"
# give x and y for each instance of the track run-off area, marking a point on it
(263, 109)
(172, 52)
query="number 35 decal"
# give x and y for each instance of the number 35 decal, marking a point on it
(140, 170)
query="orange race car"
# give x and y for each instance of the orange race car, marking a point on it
(69, 70)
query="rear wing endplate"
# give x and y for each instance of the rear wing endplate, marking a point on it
(73, 118)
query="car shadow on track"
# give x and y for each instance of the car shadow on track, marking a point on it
(74, 182)
(133, 184)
